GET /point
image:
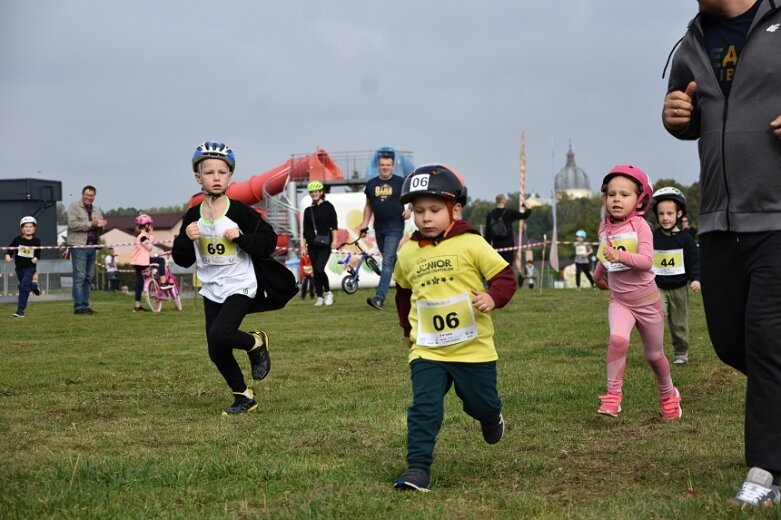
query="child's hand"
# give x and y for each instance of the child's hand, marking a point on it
(611, 254)
(695, 285)
(602, 283)
(408, 341)
(193, 231)
(483, 301)
(8, 258)
(232, 234)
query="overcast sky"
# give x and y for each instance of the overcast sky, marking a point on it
(119, 94)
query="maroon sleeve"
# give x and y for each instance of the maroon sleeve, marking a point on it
(502, 287)
(403, 306)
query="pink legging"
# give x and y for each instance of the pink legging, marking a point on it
(649, 320)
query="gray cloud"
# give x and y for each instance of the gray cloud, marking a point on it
(119, 94)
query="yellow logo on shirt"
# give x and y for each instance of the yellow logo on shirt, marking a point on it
(383, 191)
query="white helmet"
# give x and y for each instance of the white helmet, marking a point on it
(28, 220)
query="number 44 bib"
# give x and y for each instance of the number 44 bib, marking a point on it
(446, 322)
(669, 262)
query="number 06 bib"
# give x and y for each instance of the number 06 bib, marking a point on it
(446, 322)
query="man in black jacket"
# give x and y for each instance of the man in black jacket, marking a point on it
(740, 205)
(499, 227)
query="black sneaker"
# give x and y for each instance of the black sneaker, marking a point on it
(415, 479)
(139, 309)
(242, 404)
(36, 289)
(375, 302)
(259, 358)
(493, 433)
(18, 314)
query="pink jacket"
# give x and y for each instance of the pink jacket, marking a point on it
(140, 254)
(638, 281)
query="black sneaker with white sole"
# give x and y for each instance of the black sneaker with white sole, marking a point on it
(242, 404)
(259, 358)
(414, 479)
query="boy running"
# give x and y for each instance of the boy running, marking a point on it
(443, 311)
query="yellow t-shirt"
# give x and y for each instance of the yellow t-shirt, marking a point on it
(445, 324)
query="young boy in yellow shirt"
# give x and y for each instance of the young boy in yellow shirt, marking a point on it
(443, 311)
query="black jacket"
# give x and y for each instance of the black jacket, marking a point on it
(276, 284)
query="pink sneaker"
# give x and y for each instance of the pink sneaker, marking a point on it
(611, 404)
(671, 406)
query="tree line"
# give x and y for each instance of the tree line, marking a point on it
(572, 214)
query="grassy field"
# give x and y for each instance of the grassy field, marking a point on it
(117, 415)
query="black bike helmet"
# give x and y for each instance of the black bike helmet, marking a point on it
(436, 180)
(670, 193)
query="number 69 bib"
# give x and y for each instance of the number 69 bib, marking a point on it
(217, 250)
(446, 322)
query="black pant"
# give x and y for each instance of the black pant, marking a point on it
(583, 268)
(741, 292)
(223, 335)
(320, 256)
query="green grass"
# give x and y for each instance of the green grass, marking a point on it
(117, 415)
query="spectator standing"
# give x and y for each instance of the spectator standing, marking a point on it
(725, 91)
(383, 202)
(319, 234)
(499, 227)
(583, 253)
(85, 221)
(111, 270)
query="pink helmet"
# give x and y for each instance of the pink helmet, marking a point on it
(637, 175)
(144, 219)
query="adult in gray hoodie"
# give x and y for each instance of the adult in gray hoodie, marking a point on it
(725, 91)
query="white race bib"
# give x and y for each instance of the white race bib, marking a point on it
(25, 252)
(446, 322)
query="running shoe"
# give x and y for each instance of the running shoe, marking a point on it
(242, 404)
(414, 479)
(671, 406)
(493, 433)
(259, 358)
(611, 404)
(758, 490)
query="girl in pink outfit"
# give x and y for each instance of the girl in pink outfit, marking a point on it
(625, 260)
(142, 257)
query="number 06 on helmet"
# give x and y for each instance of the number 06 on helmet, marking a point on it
(434, 180)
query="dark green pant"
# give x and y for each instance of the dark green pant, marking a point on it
(431, 380)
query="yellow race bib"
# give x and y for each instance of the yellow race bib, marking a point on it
(217, 250)
(668, 263)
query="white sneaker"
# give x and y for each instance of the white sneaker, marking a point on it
(757, 490)
(329, 298)
(319, 301)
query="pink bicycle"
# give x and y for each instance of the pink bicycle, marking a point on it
(154, 294)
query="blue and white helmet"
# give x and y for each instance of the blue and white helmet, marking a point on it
(214, 150)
